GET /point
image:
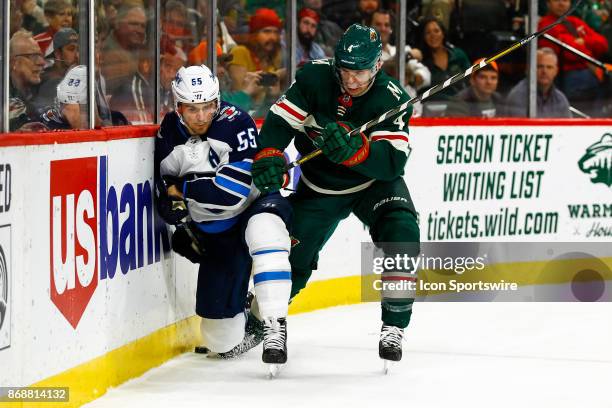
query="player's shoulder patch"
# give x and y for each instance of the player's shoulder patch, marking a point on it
(229, 112)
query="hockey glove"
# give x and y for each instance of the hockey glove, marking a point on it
(341, 148)
(186, 246)
(166, 205)
(269, 170)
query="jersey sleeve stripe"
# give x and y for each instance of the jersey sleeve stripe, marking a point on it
(235, 175)
(403, 138)
(293, 109)
(232, 185)
(243, 165)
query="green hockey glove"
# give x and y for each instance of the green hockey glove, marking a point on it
(269, 170)
(341, 148)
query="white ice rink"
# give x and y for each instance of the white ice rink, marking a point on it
(490, 355)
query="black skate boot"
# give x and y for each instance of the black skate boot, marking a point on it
(253, 335)
(275, 341)
(390, 344)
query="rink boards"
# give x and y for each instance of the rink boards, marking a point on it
(95, 297)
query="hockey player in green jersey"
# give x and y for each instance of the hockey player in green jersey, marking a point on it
(360, 175)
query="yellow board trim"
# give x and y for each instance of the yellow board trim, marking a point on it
(92, 379)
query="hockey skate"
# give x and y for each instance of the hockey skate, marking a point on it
(275, 345)
(390, 345)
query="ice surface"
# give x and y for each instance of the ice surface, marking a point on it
(456, 355)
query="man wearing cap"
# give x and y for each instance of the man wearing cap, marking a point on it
(307, 48)
(263, 55)
(59, 14)
(480, 99)
(64, 54)
(121, 49)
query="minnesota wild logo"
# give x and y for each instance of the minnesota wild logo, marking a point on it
(597, 161)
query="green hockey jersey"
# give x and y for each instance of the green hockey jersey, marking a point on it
(315, 99)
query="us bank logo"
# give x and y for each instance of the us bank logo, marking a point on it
(5, 280)
(597, 161)
(98, 231)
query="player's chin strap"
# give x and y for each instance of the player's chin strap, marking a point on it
(440, 87)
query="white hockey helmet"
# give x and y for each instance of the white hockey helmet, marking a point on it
(73, 88)
(195, 84)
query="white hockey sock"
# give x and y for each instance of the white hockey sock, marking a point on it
(269, 245)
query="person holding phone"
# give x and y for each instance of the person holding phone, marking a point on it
(262, 56)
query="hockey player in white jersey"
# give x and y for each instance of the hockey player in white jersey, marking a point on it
(203, 156)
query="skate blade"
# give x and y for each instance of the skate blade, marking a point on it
(274, 370)
(387, 364)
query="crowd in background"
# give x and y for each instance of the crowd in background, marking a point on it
(48, 84)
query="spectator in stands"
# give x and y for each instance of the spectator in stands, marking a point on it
(16, 20)
(242, 97)
(264, 48)
(307, 48)
(33, 16)
(235, 17)
(438, 9)
(345, 13)
(418, 75)
(480, 99)
(578, 81)
(121, 49)
(551, 102)
(58, 14)
(172, 58)
(443, 63)
(199, 54)
(365, 10)
(175, 25)
(65, 55)
(594, 13)
(328, 32)
(263, 55)
(26, 66)
(382, 21)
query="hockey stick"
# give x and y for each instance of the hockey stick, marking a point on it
(439, 87)
(579, 53)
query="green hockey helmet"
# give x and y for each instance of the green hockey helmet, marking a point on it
(359, 48)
